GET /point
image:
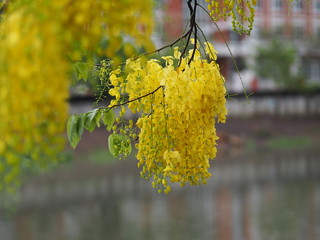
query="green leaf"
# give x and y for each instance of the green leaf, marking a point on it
(108, 119)
(90, 121)
(111, 144)
(82, 70)
(97, 118)
(75, 129)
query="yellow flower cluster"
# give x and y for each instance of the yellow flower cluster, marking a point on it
(33, 94)
(90, 21)
(36, 39)
(181, 102)
(241, 11)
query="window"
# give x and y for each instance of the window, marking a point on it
(316, 5)
(234, 37)
(186, 13)
(317, 32)
(259, 4)
(201, 17)
(277, 5)
(256, 31)
(297, 6)
(312, 69)
(278, 31)
(297, 32)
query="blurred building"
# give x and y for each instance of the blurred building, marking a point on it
(297, 23)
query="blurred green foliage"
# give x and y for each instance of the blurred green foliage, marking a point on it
(277, 61)
(293, 142)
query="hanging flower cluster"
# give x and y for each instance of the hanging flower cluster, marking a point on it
(241, 12)
(37, 41)
(90, 21)
(33, 92)
(181, 103)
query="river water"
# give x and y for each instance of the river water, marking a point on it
(252, 196)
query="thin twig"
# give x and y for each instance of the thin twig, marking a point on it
(194, 26)
(205, 39)
(159, 49)
(133, 100)
(166, 46)
(188, 34)
(232, 57)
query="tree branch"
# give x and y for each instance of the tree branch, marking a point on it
(229, 50)
(133, 100)
(192, 29)
(159, 49)
(194, 26)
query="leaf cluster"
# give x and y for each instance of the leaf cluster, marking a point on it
(89, 121)
(277, 61)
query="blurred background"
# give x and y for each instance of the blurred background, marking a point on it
(265, 180)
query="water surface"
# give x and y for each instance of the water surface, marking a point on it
(257, 196)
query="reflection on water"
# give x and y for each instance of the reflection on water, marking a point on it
(263, 196)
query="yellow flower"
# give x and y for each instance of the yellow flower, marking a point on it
(177, 134)
(211, 51)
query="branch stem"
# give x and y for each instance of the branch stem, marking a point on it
(132, 100)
